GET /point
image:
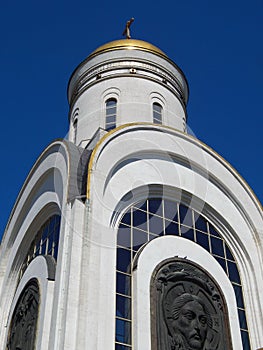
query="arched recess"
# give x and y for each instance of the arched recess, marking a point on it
(188, 308)
(183, 169)
(58, 171)
(110, 108)
(21, 251)
(154, 217)
(23, 327)
(157, 252)
(54, 181)
(29, 317)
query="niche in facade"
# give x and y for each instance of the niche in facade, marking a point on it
(188, 309)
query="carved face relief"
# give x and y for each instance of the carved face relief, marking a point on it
(190, 312)
(191, 324)
(22, 332)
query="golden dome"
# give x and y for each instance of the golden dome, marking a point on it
(128, 44)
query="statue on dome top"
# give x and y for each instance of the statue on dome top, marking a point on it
(127, 31)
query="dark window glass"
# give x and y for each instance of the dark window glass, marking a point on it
(202, 239)
(171, 228)
(156, 224)
(110, 127)
(187, 232)
(186, 216)
(50, 244)
(123, 284)
(233, 272)
(46, 241)
(126, 219)
(200, 222)
(111, 113)
(43, 247)
(170, 210)
(157, 113)
(37, 248)
(222, 262)
(123, 260)
(111, 120)
(213, 231)
(242, 319)
(161, 217)
(45, 232)
(245, 340)
(141, 205)
(75, 126)
(239, 297)
(124, 236)
(56, 251)
(56, 234)
(123, 331)
(155, 207)
(217, 246)
(52, 224)
(123, 306)
(111, 110)
(111, 102)
(140, 219)
(139, 238)
(229, 254)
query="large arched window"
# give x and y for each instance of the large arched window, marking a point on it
(153, 218)
(111, 113)
(157, 113)
(46, 242)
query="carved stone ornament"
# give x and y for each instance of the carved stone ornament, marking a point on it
(188, 309)
(22, 332)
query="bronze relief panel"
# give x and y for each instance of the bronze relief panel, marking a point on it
(23, 328)
(188, 309)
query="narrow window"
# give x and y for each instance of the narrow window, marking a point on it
(75, 125)
(157, 113)
(111, 112)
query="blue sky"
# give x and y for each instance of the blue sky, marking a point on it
(218, 45)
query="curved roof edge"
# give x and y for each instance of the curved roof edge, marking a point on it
(129, 44)
(76, 163)
(119, 130)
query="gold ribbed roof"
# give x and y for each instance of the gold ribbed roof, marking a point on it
(128, 44)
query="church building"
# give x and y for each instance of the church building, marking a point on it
(132, 234)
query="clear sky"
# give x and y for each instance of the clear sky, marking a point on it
(218, 45)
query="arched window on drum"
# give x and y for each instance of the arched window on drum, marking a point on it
(157, 113)
(111, 114)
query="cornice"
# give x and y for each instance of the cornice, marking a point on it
(107, 137)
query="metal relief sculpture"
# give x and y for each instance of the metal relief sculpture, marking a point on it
(127, 31)
(188, 309)
(22, 332)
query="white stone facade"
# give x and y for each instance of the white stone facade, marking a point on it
(92, 189)
(136, 80)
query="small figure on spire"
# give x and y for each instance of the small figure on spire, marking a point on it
(126, 31)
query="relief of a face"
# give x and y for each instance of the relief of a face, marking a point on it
(192, 324)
